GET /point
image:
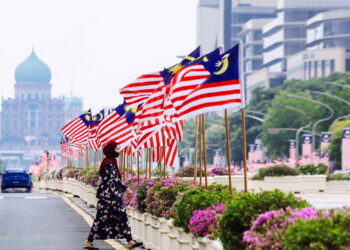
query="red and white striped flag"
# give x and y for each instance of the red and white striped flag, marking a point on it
(78, 129)
(222, 90)
(136, 92)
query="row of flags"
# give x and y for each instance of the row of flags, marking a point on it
(155, 105)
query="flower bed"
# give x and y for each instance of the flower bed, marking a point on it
(173, 213)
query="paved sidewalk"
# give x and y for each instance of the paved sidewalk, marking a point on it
(327, 200)
(92, 212)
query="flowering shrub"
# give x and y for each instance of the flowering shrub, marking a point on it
(269, 228)
(141, 193)
(219, 171)
(132, 183)
(187, 172)
(206, 222)
(276, 170)
(246, 207)
(162, 195)
(194, 199)
(312, 169)
(330, 232)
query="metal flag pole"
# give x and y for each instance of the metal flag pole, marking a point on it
(228, 152)
(95, 160)
(195, 153)
(244, 134)
(200, 149)
(244, 142)
(204, 153)
(138, 167)
(150, 162)
(164, 157)
(87, 157)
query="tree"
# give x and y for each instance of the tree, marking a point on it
(334, 149)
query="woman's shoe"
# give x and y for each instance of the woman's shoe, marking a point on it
(88, 245)
(135, 244)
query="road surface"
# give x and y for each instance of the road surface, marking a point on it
(41, 221)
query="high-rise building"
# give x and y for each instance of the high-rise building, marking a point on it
(286, 35)
(33, 118)
(327, 47)
(245, 10)
(208, 16)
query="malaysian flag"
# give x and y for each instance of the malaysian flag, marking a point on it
(222, 90)
(136, 92)
(170, 153)
(72, 150)
(183, 82)
(78, 129)
(153, 106)
(116, 128)
(93, 139)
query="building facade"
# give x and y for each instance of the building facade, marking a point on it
(33, 118)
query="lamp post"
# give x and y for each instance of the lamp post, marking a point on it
(338, 84)
(297, 142)
(319, 121)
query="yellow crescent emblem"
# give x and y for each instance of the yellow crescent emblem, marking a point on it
(223, 64)
(87, 117)
(190, 58)
(127, 108)
(100, 115)
(134, 109)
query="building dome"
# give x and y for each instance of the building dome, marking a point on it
(33, 70)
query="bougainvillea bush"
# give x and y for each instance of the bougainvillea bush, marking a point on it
(194, 199)
(245, 208)
(268, 230)
(218, 171)
(162, 195)
(328, 232)
(132, 183)
(141, 193)
(205, 223)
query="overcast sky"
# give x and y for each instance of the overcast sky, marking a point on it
(94, 47)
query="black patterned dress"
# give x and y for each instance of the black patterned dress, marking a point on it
(111, 220)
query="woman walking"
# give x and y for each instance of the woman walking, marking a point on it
(111, 220)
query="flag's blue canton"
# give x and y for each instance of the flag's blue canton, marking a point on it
(225, 67)
(86, 118)
(168, 73)
(96, 119)
(206, 58)
(131, 113)
(121, 109)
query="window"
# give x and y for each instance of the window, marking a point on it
(332, 66)
(32, 115)
(257, 35)
(298, 15)
(347, 65)
(295, 32)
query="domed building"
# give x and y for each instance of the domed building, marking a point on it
(32, 120)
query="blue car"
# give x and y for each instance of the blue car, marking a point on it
(16, 178)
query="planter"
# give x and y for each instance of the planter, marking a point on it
(338, 186)
(185, 240)
(156, 233)
(173, 236)
(164, 231)
(138, 225)
(284, 183)
(148, 231)
(207, 244)
(313, 183)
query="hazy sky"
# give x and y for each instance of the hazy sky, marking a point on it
(94, 47)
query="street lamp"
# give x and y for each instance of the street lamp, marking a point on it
(255, 118)
(319, 121)
(338, 84)
(297, 141)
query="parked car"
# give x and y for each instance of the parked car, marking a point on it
(16, 178)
